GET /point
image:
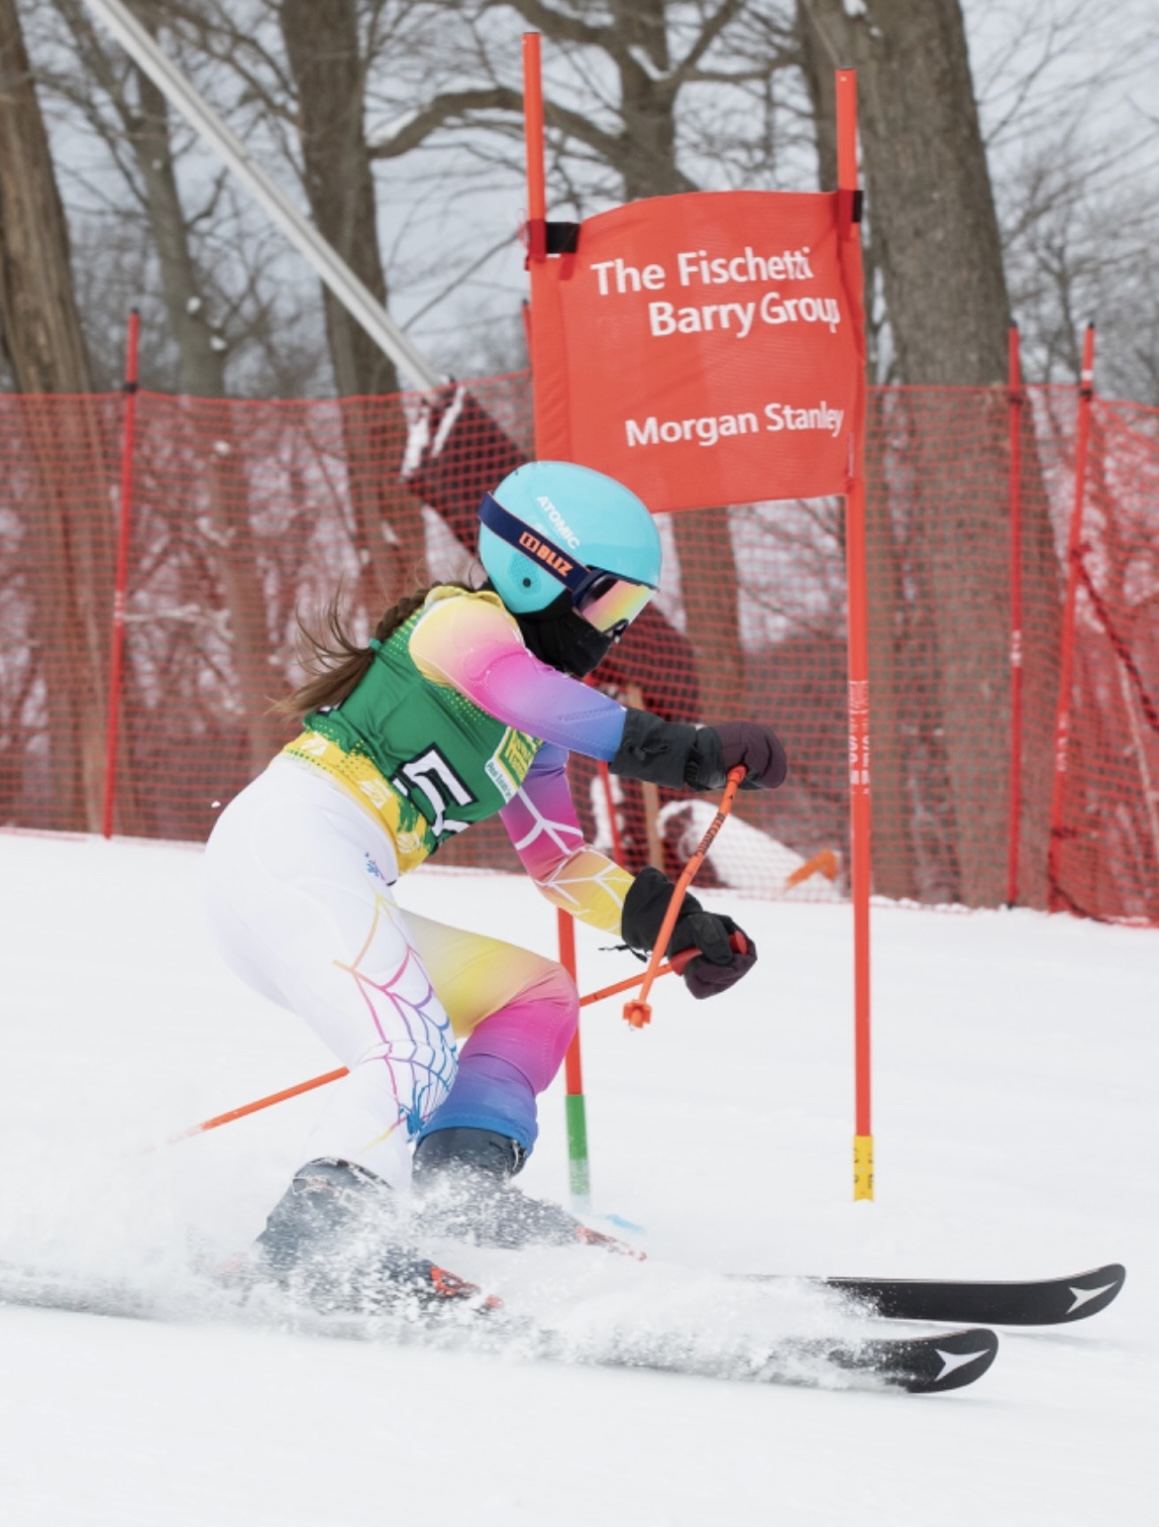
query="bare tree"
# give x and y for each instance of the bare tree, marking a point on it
(389, 111)
(1079, 236)
(305, 66)
(141, 122)
(168, 231)
(69, 520)
(935, 233)
(1066, 108)
(621, 138)
(341, 59)
(328, 63)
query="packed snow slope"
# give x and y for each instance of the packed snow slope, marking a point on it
(1015, 1072)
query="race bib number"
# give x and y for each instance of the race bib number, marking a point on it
(443, 788)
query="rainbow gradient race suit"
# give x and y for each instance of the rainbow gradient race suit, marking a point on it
(456, 721)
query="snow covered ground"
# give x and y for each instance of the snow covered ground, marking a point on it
(1015, 1070)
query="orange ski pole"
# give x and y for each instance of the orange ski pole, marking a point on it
(638, 1012)
(275, 1097)
(218, 1120)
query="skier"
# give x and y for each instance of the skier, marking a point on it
(465, 703)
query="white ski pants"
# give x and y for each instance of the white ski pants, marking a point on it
(298, 893)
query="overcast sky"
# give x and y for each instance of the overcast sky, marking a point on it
(449, 224)
(1117, 41)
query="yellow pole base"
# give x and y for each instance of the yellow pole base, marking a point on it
(862, 1167)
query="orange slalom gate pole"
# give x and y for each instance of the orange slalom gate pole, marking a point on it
(578, 1164)
(1017, 399)
(860, 824)
(860, 828)
(1055, 900)
(533, 142)
(579, 1171)
(638, 1012)
(120, 586)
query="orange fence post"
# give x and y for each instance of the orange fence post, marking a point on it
(117, 644)
(1016, 399)
(1055, 900)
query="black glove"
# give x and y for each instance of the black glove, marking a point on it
(719, 749)
(719, 964)
(673, 753)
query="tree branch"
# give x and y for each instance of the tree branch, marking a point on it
(440, 111)
(558, 25)
(711, 30)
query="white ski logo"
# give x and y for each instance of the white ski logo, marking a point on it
(952, 1361)
(1085, 1295)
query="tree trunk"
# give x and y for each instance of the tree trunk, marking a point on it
(648, 167)
(322, 45)
(894, 866)
(203, 376)
(936, 236)
(70, 527)
(202, 364)
(928, 185)
(647, 102)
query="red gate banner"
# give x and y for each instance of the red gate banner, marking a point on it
(704, 348)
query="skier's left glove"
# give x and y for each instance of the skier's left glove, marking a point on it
(675, 754)
(726, 951)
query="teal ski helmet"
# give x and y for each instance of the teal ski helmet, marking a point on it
(552, 526)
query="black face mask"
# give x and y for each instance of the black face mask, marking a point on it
(562, 639)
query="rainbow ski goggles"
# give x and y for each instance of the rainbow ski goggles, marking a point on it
(606, 600)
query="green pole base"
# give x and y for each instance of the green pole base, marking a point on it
(578, 1168)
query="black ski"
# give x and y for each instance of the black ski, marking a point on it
(928, 1364)
(916, 1364)
(925, 1364)
(1031, 1302)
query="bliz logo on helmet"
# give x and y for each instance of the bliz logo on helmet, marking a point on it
(565, 531)
(536, 548)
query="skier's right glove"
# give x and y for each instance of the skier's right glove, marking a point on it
(726, 951)
(675, 754)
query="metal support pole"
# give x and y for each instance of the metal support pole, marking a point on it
(358, 301)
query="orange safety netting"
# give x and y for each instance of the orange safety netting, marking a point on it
(1107, 849)
(245, 512)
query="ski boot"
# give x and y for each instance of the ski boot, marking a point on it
(333, 1240)
(462, 1178)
